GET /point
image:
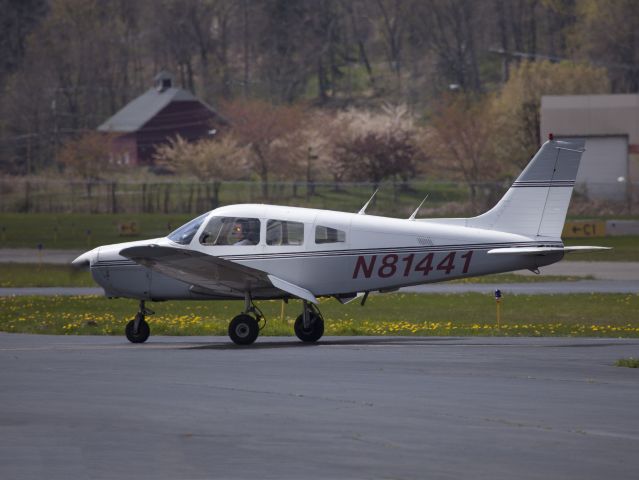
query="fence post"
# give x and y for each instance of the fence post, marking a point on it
(114, 206)
(27, 196)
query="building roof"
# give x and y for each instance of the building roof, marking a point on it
(139, 111)
(591, 115)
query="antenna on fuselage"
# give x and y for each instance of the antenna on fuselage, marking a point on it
(412, 217)
(362, 211)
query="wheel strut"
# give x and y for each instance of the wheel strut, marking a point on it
(140, 316)
(251, 308)
(307, 313)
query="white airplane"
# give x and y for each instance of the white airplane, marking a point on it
(256, 252)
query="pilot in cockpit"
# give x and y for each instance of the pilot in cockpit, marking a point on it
(242, 233)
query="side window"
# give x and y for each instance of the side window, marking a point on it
(231, 231)
(281, 232)
(329, 235)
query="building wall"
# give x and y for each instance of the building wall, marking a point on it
(124, 150)
(189, 119)
(608, 120)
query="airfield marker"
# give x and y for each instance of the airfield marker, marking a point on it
(498, 302)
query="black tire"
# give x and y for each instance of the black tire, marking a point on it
(243, 329)
(314, 332)
(143, 332)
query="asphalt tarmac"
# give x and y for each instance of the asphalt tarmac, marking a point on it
(365, 408)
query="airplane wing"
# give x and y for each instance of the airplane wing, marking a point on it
(543, 250)
(210, 272)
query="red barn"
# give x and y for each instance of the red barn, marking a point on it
(159, 114)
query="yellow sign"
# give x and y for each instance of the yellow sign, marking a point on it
(128, 229)
(584, 228)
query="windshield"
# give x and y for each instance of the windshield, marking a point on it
(186, 232)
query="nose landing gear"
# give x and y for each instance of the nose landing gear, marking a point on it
(138, 330)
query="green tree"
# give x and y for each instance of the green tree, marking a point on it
(517, 106)
(607, 33)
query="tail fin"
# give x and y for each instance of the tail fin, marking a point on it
(537, 202)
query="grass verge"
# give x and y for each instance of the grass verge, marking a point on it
(16, 275)
(588, 315)
(627, 362)
(624, 249)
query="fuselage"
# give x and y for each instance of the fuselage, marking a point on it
(325, 252)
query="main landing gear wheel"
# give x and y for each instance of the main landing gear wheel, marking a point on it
(138, 330)
(313, 329)
(244, 329)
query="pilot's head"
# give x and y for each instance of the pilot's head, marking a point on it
(240, 230)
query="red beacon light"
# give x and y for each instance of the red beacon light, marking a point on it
(551, 136)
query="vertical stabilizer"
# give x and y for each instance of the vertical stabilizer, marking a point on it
(537, 202)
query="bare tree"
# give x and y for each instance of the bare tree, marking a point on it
(461, 140)
(268, 131)
(450, 28)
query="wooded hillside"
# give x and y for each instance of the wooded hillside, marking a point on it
(476, 67)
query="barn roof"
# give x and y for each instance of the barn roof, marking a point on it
(139, 111)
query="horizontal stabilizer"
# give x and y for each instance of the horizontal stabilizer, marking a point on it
(542, 250)
(586, 249)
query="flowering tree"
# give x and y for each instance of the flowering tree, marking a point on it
(209, 160)
(376, 146)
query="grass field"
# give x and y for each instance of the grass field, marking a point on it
(624, 249)
(592, 315)
(78, 231)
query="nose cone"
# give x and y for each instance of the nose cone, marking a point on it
(84, 261)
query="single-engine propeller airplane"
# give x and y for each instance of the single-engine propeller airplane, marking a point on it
(256, 252)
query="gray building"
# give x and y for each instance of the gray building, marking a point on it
(610, 124)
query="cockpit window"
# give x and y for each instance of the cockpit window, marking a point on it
(281, 232)
(238, 231)
(186, 232)
(329, 235)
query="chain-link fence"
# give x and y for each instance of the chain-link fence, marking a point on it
(172, 196)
